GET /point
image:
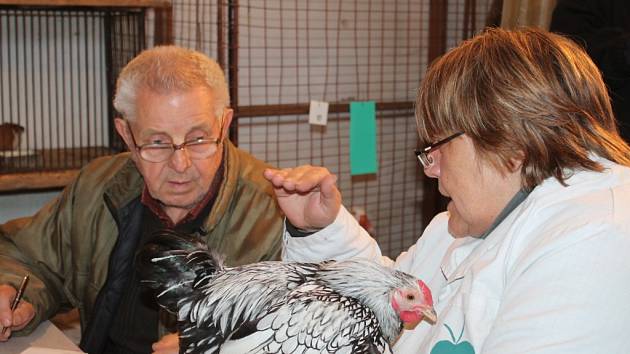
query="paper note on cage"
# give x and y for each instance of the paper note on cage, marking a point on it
(363, 138)
(318, 113)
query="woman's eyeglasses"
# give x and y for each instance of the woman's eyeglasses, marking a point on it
(424, 154)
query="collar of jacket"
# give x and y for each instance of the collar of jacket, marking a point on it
(126, 184)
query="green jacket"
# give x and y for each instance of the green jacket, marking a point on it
(72, 244)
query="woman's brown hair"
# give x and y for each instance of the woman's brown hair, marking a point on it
(524, 95)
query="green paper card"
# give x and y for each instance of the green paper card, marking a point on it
(363, 138)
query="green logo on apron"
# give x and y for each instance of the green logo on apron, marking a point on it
(454, 347)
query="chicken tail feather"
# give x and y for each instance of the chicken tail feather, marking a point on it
(175, 264)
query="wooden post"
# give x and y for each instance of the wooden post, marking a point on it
(233, 65)
(432, 201)
(163, 27)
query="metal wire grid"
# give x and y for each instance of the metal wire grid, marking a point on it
(467, 18)
(56, 80)
(391, 197)
(290, 52)
(127, 39)
(339, 51)
(195, 24)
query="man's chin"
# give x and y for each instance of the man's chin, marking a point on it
(183, 205)
(180, 202)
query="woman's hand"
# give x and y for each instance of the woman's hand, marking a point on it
(307, 195)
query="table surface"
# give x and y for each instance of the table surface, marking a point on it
(45, 339)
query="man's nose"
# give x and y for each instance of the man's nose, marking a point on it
(180, 160)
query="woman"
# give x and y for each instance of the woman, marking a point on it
(533, 255)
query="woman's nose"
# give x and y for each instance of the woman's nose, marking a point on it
(433, 171)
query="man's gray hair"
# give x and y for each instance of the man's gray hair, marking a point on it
(167, 69)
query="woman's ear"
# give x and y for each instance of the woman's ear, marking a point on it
(515, 162)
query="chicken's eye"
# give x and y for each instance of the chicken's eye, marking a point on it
(410, 297)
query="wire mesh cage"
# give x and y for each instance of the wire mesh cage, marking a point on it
(279, 55)
(58, 67)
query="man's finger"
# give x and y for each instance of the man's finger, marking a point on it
(5, 336)
(6, 318)
(7, 294)
(22, 315)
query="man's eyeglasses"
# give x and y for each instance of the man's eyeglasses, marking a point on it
(424, 154)
(197, 149)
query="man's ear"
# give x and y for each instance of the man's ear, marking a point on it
(228, 113)
(122, 129)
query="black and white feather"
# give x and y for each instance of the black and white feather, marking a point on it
(353, 306)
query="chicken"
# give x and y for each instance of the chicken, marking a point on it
(353, 306)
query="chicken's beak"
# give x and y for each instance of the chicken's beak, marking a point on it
(426, 313)
(429, 315)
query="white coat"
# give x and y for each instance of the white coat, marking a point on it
(552, 278)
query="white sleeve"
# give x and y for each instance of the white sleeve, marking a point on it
(343, 239)
(567, 298)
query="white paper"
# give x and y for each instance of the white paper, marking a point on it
(45, 339)
(318, 113)
(41, 350)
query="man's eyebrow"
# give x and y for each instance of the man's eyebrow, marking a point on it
(152, 131)
(202, 126)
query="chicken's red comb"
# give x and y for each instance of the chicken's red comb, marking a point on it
(426, 292)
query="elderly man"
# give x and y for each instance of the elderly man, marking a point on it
(532, 256)
(182, 172)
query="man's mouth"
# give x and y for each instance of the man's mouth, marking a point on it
(179, 183)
